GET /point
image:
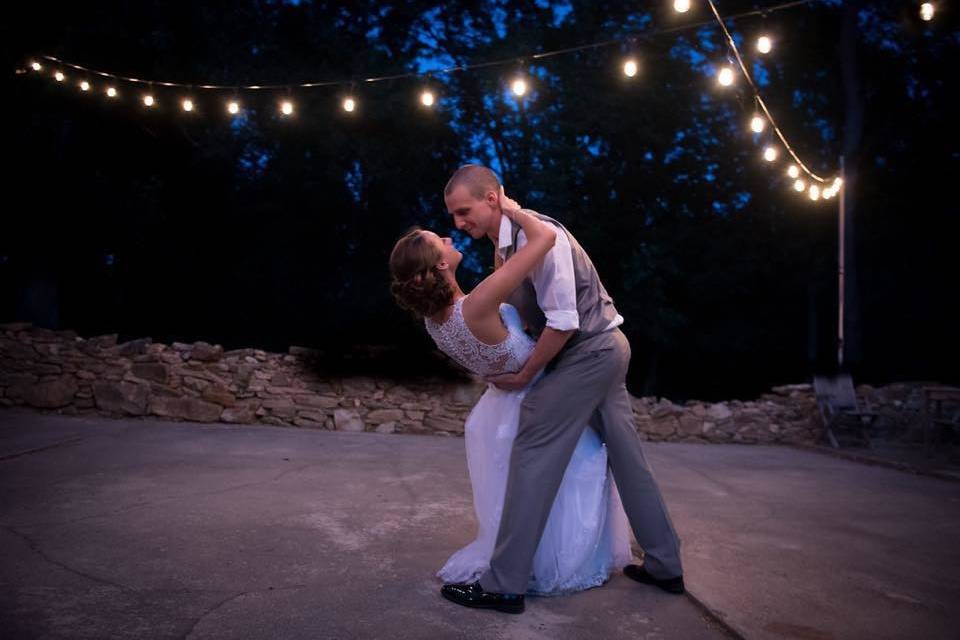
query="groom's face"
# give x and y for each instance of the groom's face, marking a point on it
(470, 214)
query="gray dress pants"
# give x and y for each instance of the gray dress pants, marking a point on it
(586, 386)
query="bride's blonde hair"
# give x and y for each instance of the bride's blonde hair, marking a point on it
(416, 283)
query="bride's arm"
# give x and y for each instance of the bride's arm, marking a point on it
(485, 299)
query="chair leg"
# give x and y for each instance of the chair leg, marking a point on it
(832, 438)
(865, 431)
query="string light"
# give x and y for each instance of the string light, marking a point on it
(520, 83)
(286, 107)
(725, 77)
(731, 43)
(682, 5)
(926, 11)
(814, 192)
(233, 107)
(799, 185)
(518, 86)
(832, 190)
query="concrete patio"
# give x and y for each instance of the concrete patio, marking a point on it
(152, 529)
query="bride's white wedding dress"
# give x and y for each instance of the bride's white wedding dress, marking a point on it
(587, 535)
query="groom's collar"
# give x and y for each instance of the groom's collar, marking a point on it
(506, 233)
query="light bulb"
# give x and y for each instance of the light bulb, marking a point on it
(233, 107)
(630, 68)
(837, 183)
(59, 76)
(84, 86)
(681, 6)
(187, 105)
(770, 154)
(927, 11)
(725, 77)
(36, 66)
(814, 192)
(427, 98)
(111, 92)
(757, 124)
(829, 193)
(349, 104)
(286, 107)
(764, 44)
(799, 185)
(519, 86)
(793, 171)
(148, 100)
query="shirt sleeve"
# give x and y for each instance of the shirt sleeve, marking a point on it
(554, 283)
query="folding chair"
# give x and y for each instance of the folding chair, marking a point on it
(840, 410)
(934, 415)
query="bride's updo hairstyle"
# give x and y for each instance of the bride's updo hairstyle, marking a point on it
(416, 283)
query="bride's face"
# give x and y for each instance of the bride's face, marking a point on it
(448, 252)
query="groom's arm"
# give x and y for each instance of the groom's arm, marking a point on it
(547, 347)
(553, 281)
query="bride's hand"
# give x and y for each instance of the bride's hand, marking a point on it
(509, 206)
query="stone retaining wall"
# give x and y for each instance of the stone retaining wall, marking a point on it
(60, 371)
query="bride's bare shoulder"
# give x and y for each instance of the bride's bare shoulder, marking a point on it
(470, 309)
(483, 320)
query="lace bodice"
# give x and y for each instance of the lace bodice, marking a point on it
(454, 339)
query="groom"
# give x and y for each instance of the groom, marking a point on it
(586, 357)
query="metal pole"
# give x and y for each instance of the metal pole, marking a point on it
(840, 269)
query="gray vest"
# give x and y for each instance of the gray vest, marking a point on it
(594, 305)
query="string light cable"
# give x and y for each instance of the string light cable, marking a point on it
(759, 98)
(415, 74)
(519, 84)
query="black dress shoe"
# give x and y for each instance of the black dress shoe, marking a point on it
(638, 573)
(473, 595)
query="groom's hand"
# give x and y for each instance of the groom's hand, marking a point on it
(509, 381)
(549, 344)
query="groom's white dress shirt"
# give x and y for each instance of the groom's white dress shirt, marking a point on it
(552, 280)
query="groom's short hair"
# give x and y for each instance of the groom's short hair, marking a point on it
(477, 178)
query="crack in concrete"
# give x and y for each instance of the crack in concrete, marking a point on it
(138, 505)
(27, 452)
(714, 616)
(216, 606)
(35, 547)
(206, 613)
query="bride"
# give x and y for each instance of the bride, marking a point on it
(587, 536)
